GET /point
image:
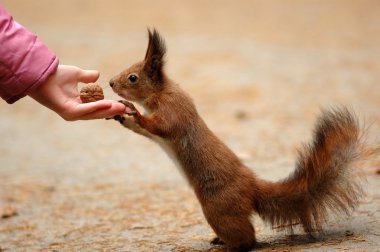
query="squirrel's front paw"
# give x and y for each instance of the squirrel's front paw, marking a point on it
(119, 118)
(130, 108)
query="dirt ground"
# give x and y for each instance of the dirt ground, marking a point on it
(259, 71)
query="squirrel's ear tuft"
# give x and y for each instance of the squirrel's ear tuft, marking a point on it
(154, 58)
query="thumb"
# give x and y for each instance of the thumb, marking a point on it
(87, 76)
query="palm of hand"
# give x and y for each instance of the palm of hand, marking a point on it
(60, 94)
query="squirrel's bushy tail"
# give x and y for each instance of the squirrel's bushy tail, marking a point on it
(323, 178)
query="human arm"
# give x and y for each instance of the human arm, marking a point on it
(25, 62)
(29, 67)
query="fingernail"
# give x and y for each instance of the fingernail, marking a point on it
(127, 110)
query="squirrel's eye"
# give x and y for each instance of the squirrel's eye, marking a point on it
(132, 78)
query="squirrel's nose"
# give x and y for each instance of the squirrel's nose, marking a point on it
(112, 83)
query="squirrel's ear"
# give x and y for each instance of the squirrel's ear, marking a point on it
(154, 58)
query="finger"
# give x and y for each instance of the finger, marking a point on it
(115, 109)
(87, 76)
(78, 110)
(85, 108)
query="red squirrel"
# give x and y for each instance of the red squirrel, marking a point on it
(227, 190)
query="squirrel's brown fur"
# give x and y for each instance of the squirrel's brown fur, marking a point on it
(228, 191)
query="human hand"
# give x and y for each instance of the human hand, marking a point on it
(60, 94)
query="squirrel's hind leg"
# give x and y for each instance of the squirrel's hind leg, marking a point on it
(236, 232)
(217, 241)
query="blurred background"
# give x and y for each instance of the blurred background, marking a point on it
(259, 72)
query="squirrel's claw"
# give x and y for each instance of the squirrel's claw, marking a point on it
(131, 109)
(127, 103)
(118, 118)
(131, 113)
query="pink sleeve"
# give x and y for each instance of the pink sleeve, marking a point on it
(25, 62)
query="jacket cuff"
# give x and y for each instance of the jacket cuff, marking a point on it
(48, 67)
(25, 62)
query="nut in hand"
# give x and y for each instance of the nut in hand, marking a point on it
(91, 92)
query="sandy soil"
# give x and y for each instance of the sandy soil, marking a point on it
(259, 72)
